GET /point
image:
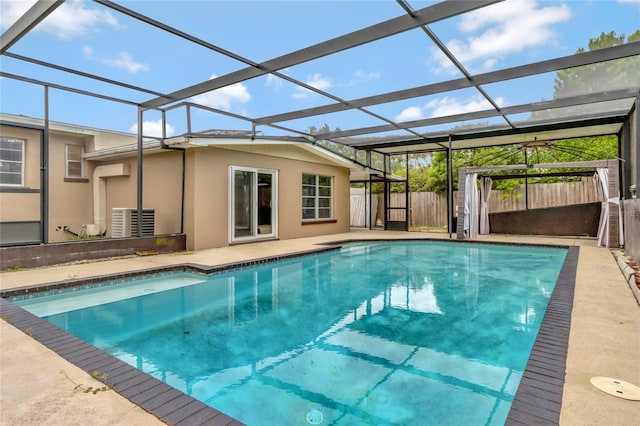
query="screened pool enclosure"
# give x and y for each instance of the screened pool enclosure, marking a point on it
(443, 90)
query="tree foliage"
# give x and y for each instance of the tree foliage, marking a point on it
(611, 75)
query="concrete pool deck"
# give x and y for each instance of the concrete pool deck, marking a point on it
(604, 338)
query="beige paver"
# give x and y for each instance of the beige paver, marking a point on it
(604, 339)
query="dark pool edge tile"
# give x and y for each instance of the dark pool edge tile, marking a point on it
(117, 374)
(549, 353)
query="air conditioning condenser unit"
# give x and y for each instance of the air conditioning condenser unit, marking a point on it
(124, 222)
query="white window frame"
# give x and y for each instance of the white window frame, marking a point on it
(317, 197)
(22, 150)
(274, 204)
(67, 161)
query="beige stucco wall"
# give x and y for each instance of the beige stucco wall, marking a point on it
(207, 183)
(105, 140)
(161, 190)
(18, 207)
(70, 200)
(22, 203)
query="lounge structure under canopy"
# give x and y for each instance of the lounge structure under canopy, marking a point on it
(473, 213)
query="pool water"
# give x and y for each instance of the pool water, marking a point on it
(380, 333)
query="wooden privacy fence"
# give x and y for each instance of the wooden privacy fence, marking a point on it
(430, 209)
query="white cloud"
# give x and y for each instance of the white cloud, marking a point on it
(319, 82)
(10, 11)
(631, 2)
(501, 29)
(316, 80)
(274, 82)
(451, 106)
(410, 114)
(153, 128)
(224, 98)
(441, 107)
(124, 61)
(364, 77)
(71, 19)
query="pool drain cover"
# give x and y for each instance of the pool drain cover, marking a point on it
(315, 417)
(616, 387)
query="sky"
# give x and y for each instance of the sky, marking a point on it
(89, 37)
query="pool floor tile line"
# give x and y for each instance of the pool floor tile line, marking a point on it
(90, 359)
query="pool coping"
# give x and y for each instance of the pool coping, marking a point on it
(538, 399)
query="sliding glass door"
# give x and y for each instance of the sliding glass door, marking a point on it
(252, 203)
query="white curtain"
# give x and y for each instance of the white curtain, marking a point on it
(602, 184)
(485, 194)
(471, 205)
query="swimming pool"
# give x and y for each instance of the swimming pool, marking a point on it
(373, 333)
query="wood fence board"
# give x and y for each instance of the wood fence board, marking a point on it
(430, 209)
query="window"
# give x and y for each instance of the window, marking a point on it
(11, 161)
(74, 167)
(316, 197)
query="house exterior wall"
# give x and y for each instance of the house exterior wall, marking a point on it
(19, 204)
(161, 189)
(207, 195)
(206, 181)
(70, 199)
(25, 200)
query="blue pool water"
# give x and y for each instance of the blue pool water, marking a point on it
(381, 333)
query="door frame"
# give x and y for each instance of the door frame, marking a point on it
(256, 235)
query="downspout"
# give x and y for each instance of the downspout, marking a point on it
(44, 172)
(140, 174)
(184, 167)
